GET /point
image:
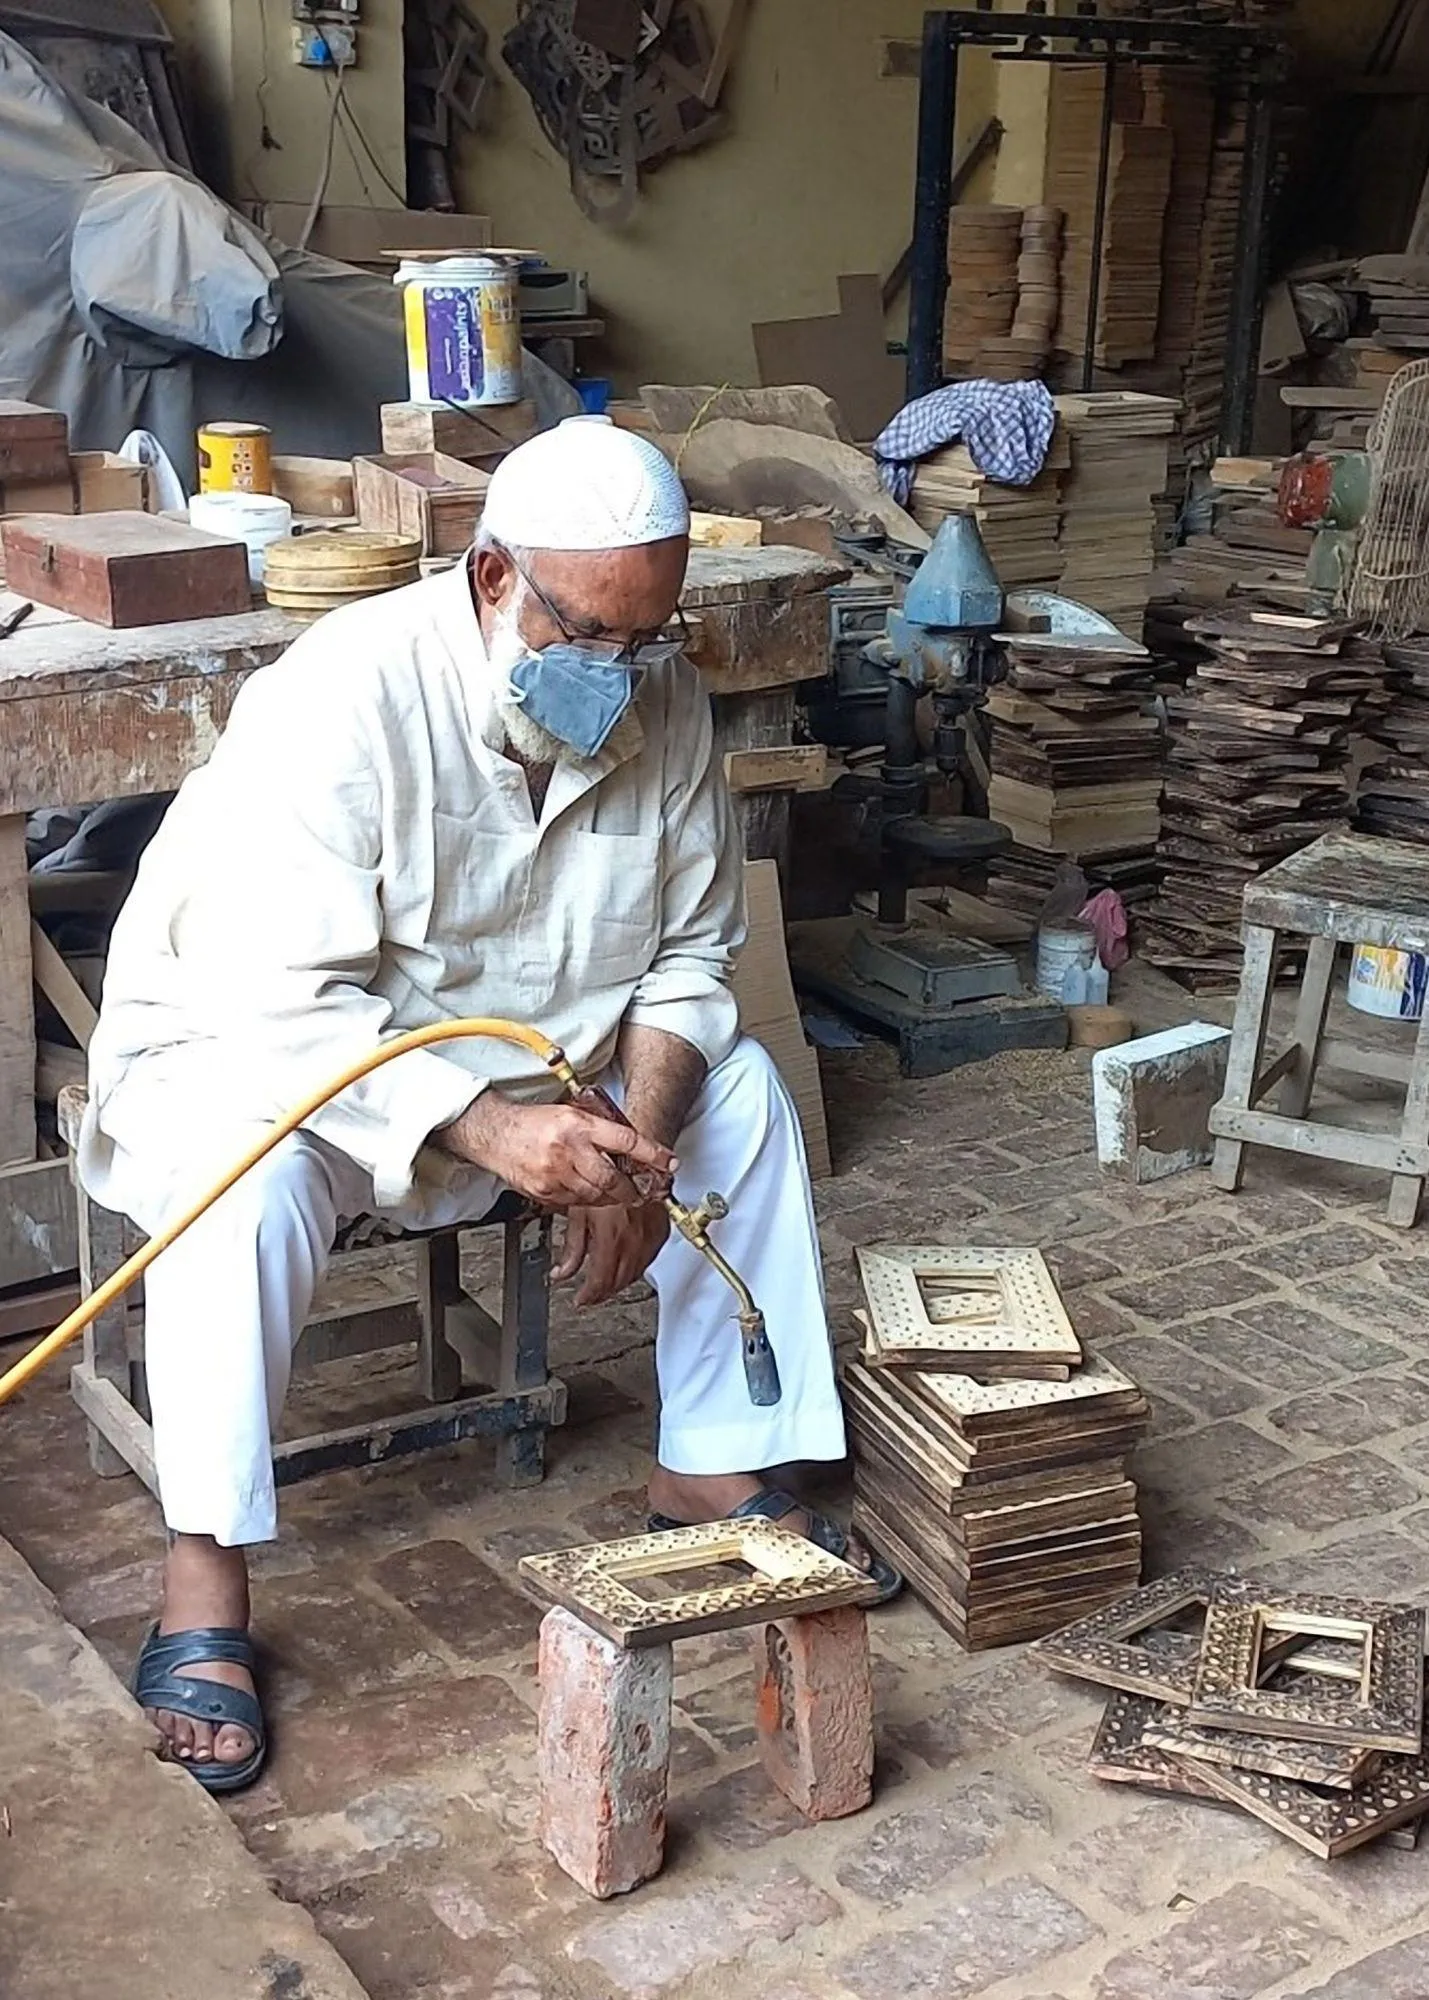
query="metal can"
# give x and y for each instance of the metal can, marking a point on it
(235, 458)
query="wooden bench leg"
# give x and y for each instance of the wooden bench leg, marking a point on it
(1252, 1018)
(525, 1331)
(1406, 1190)
(438, 1288)
(106, 1341)
(1298, 1086)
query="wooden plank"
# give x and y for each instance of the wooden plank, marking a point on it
(61, 988)
(724, 531)
(432, 1429)
(1387, 1153)
(17, 1003)
(117, 1421)
(798, 767)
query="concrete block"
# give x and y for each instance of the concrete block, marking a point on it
(1153, 1100)
(814, 1710)
(603, 1755)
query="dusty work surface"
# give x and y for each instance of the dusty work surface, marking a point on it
(117, 1877)
(1282, 1336)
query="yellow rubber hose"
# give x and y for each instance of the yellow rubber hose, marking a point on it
(419, 1038)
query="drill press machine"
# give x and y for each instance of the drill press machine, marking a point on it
(947, 1000)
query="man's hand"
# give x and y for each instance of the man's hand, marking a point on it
(555, 1154)
(615, 1246)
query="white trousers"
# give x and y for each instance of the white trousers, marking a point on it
(225, 1305)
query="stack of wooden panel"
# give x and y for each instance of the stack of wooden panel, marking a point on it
(1398, 293)
(1076, 764)
(1257, 766)
(983, 245)
(1204, 376)
(1138, 187)
(1305, 1712)
(1019, 524)
(989, 1451)
(1118, 441)
(1038, 290)
(1394, 785)
(1375, 365)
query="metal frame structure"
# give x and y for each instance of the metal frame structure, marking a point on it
(1082, 37)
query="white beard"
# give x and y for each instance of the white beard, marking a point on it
(532, 743)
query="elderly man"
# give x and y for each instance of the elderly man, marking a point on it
(492, 793)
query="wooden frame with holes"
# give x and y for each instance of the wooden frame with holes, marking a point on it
(1008, 1318)
(792, 1578)
(1100, 1648)
(1387, 1713)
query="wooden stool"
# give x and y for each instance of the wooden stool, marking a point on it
(1345, 889)
(448, 1325)
(607, 1673)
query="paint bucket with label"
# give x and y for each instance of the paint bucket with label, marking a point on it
(235, 458)
(1387, 982)
(255, 519)
(463, 329)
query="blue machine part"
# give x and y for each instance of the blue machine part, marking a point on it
(954, 596)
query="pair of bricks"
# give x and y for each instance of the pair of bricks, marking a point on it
(605, 1736)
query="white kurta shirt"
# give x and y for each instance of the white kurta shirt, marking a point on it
(358, 857)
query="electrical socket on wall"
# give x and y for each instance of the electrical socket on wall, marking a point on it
(324, 45)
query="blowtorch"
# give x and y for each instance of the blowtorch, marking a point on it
(761, 1372)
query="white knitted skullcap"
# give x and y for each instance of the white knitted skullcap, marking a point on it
(585, 485)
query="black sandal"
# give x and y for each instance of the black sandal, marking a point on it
(771, 1503)
(158, 1684)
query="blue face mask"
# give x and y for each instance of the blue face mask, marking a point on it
(574, 695)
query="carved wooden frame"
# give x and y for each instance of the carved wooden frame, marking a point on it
(1386, 1714)
(1340, 1767)
(1012, 1313)
(1396, 1795)
(1100, 1648)
(792, 1578)
(1120, 1754)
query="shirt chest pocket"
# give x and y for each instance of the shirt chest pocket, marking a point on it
(604, 893)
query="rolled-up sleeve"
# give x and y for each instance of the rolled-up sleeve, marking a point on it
(686, 990)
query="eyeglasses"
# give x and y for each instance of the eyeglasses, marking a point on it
(637, 653)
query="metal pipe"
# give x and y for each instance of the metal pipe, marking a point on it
(1247, 303)
(1094, 283)
(932, 199)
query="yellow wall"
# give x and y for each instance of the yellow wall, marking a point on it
(235, 74)
(813, 177)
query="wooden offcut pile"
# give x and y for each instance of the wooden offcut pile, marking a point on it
(1394, 786)
(1138, 186)
(989, 1449)
(1076, 765)
(1018, 524)
(1397, 289)
(1304, 1712)
(1257, 766)
(984, 243)
(1118, 441)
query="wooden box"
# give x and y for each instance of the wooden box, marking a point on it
(109, 484)
(474, 435)
(38, 496)
(34, 443)
(320, 488)
(426, 495)
(125, 569)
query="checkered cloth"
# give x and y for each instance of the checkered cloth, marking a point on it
(1006, 426)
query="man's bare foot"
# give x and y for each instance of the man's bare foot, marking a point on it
(205, 1585)
(688, 1496)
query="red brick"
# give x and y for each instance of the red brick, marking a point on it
(814, 1710)
(604, 1755)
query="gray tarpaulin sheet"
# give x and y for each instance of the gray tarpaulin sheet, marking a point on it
(133, 298)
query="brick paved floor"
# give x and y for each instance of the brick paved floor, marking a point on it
(1282, 1337)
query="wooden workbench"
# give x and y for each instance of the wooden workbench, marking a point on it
(88, 714)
